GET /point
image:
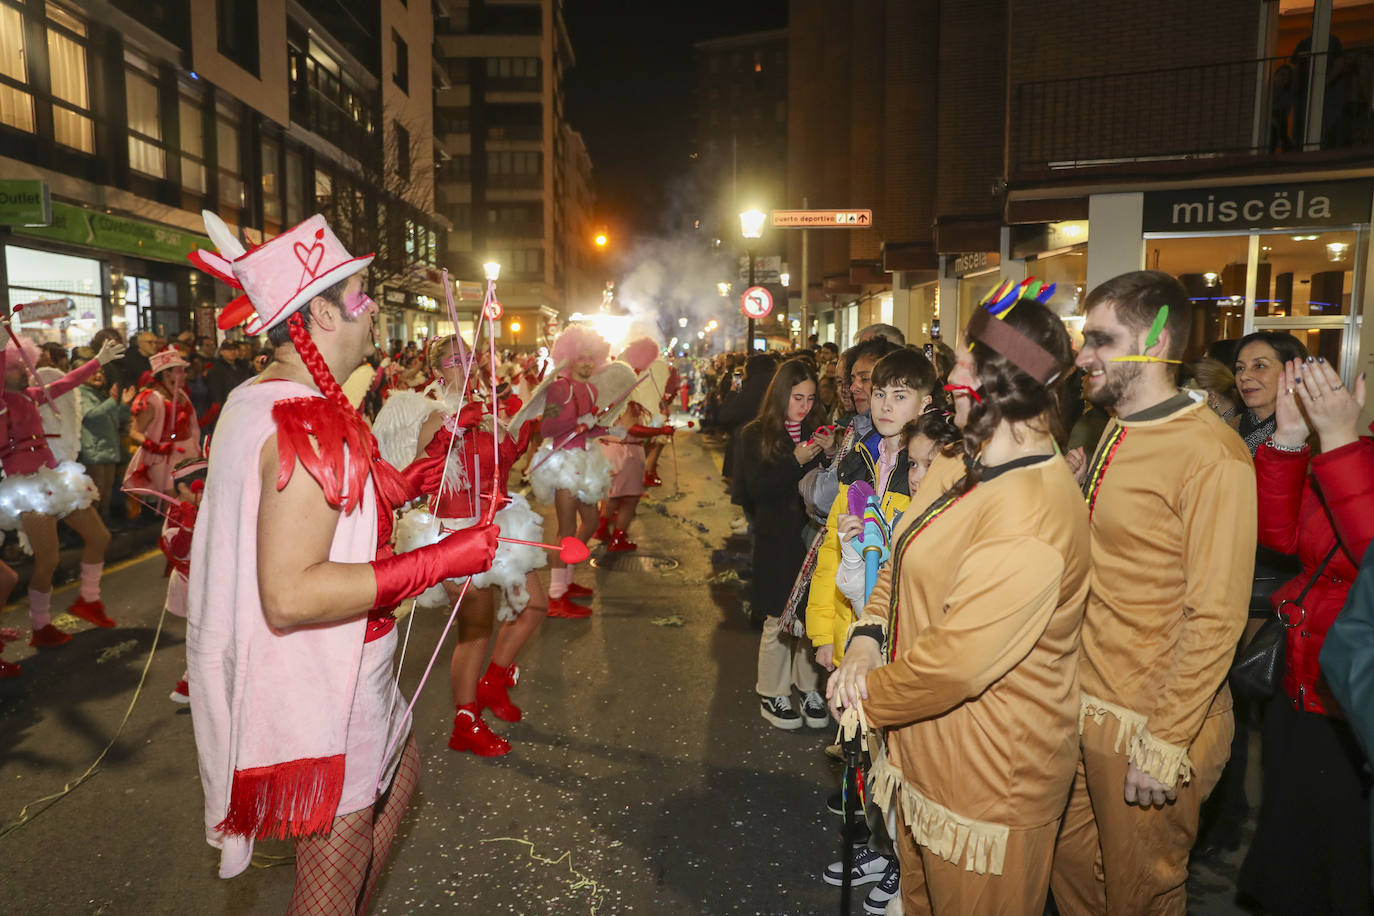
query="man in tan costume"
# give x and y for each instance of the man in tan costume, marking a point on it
(1171, 501)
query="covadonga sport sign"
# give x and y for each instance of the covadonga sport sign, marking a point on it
(1271, 206)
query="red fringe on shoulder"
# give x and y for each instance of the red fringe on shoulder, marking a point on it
(291, 799)
(329, 443)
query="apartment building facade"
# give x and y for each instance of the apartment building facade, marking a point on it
(1227, 143)
(512, 177)
(123, 119)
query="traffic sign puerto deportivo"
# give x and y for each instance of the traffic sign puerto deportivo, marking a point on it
(823, 219)
(756, 302)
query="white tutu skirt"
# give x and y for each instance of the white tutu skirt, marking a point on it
(55, 491)
(419, 528)
(584, 471)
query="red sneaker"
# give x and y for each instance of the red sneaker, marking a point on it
(563, 607)
(603, 531)
(48, 637)
(9, 669)
(470, 733)
(620, 543)
(651, 479)
(181, 693)
(91, 612)
(579, 591)
(491, 694)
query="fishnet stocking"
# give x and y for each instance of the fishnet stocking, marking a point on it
(391, 808)
(337, 872)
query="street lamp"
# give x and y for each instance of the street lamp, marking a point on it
(723, 288)
(682, 322)
(751, 227)
(601, 240)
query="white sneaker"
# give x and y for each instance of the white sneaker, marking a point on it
(884, 891)
(869, 866)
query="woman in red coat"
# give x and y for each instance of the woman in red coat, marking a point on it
(1311, 851)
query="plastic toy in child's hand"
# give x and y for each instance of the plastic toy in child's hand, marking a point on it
(874, 544)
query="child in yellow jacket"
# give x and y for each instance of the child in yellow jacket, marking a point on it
(902, 385)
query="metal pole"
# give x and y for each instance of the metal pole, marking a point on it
(805, 290)
(749, 341)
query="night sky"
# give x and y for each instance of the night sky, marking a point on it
(630, 95)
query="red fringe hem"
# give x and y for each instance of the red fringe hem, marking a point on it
(291, 799)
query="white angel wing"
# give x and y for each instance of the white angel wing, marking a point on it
(398, 423)
(64, 433)
(533, 408)
(649, 393)
(612, 381)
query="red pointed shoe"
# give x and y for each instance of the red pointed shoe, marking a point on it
(91, 612)
(564, 607)
(579, 591)
(603, 531)
(491, 694)
(620, 543)
(470, 733)
(48, 637)
(10, 669)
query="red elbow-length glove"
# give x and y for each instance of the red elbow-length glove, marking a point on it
(462, 553)
(650, 431)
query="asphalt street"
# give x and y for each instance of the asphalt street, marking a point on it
(642, 779)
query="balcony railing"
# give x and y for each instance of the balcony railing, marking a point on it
(1251, 107)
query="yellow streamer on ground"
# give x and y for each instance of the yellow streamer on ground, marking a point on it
(582, 881)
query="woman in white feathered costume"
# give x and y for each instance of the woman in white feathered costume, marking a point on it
(570, 470)
(38, 490)
(413, 425)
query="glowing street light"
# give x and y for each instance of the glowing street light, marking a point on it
(784, 277)
(701, 335)
(493, 270)
(723, 288)
(751, 223)
(515, 327)
(712, 325)
(682, 322)
(601, 240)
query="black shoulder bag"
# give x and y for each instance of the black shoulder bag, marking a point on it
(1258, 667)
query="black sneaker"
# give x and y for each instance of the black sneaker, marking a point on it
(779, 711)
(869, 866)
(814, 711)
(834, 803)
(887, 888)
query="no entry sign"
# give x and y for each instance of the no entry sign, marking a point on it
(756, 302)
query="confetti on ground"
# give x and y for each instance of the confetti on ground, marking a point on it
(10, 634)
(728, 577)
(119, 650)
(672, 620)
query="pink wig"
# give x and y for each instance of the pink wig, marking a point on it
(640, 353)
(12, 357)
(577, 340)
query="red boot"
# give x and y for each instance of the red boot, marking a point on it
(603, 531)
(9, 669)
(620, 543)
(48, 637)
(579, 591)
(470, 733)
(491, 693)
(91, 612)
(651, 479)
(564, 607)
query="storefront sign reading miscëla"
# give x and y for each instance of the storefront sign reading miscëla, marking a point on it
(1276, 206)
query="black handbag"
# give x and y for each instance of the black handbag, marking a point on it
(1258, 667)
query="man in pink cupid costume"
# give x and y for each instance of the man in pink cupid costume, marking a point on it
(300, 729)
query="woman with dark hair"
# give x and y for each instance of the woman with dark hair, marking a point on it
(968, 648)
(773, 453)
(1259, 363)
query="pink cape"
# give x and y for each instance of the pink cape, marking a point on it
(291, 726)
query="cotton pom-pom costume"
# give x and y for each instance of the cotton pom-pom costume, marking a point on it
(300, 728)
(38, 489)
(569, 469)
(451, 427)
(166, 435)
